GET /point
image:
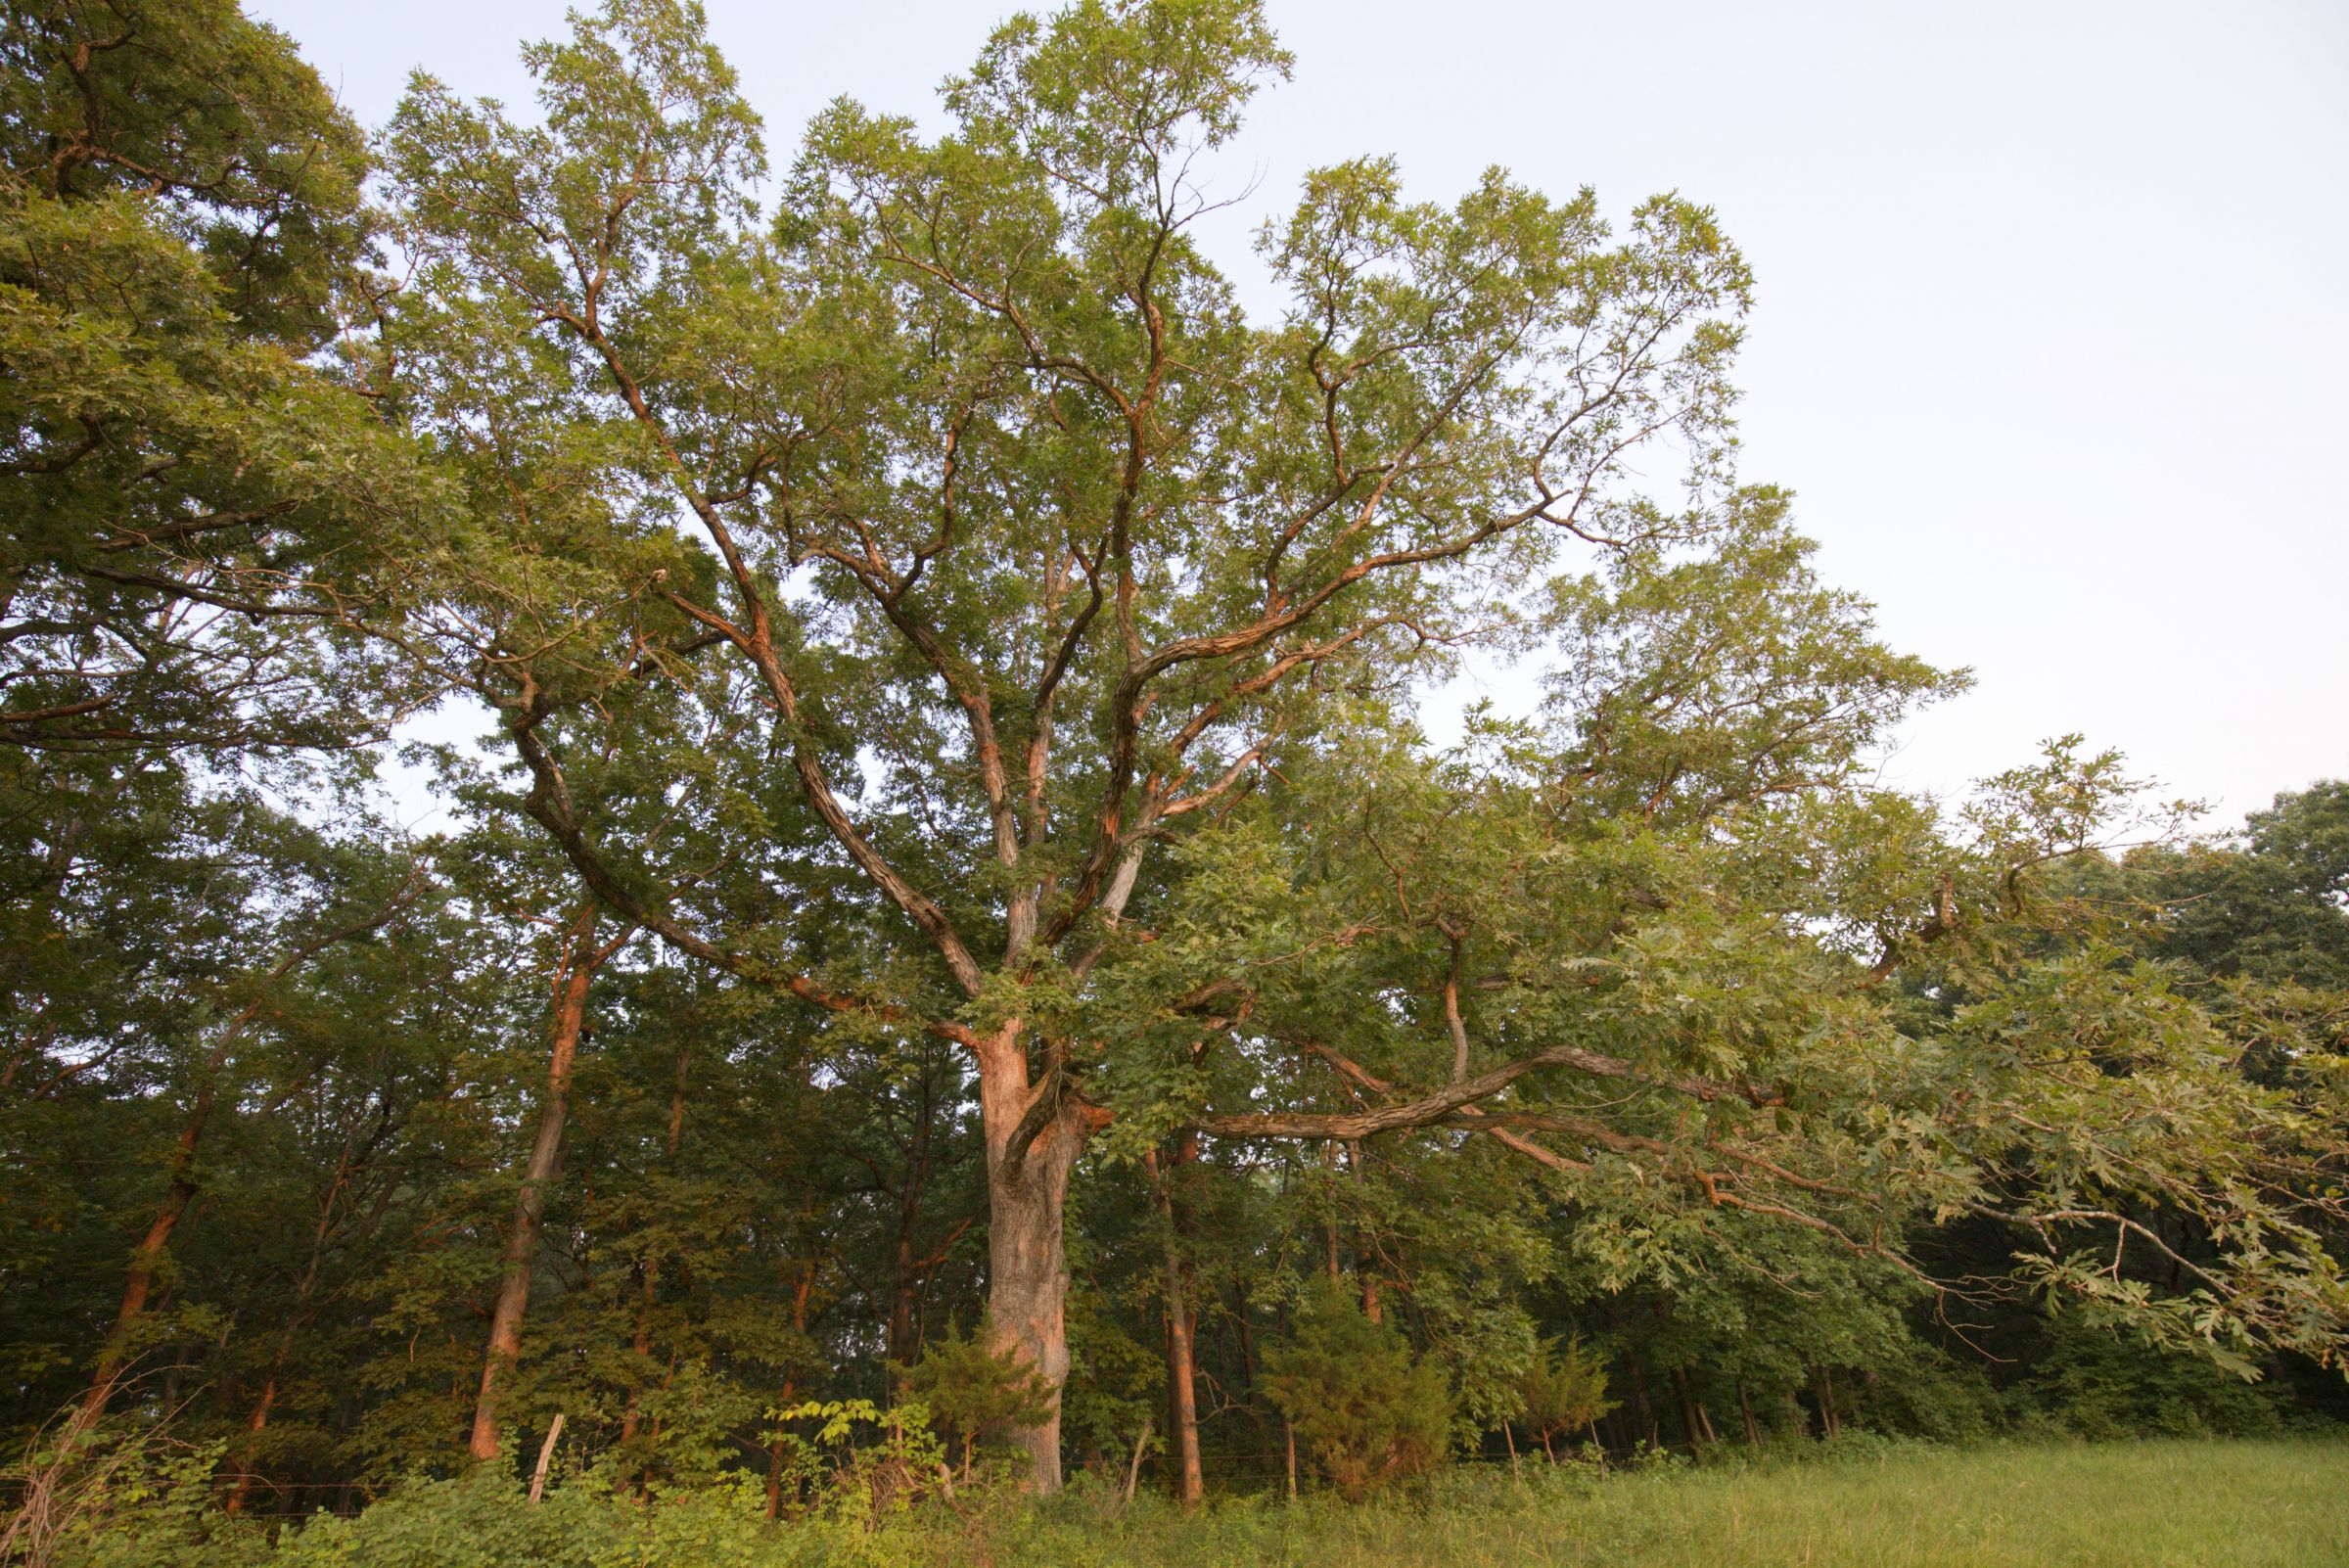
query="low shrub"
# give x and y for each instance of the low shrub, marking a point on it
(1366, 1411)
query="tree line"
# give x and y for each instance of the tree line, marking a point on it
(948, 888)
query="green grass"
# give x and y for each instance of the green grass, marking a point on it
(2192, 1504)
(2171, 1504)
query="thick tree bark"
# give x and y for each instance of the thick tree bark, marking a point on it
(1033, 1135)
(579, 963)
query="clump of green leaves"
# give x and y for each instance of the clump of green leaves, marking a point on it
(862, 1464)
(1365, 1410)
(971, 1390)
(1563, 1391)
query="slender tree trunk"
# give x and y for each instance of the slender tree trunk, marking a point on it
(1639, 1400)
(259, 1421)
(139, 1284)
(182, 1189)
(800, 1294)
(1182, 1321)
(905, 1269)
(1133, 1470)
(579, 962)
(640, 1342)
(254, 1424)
(903, 1283)
(1329, 1222)
(774, 1465)
(641, 1346)
(1822, 1388)
(252, 1433)
(1753, 1432)
(1027, 1187)
(1689, 1431)
(1364, 1249)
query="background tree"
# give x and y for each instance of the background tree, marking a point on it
(1364, 1408)
(1565, 1390)
(189, 479)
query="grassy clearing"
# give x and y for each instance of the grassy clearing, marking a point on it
(2193, 1505)
(2157, 1504)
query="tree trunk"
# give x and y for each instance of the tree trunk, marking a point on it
(1027, 1285)
(521, 1257)
(1182, 1321)
(182, 1190)
(1753, 1432)
(900, 1346)
(640, 1343)
(800, 1296)
(1639, 1401)
(140, 1282)
(254, 1425)
(1330, 1220)
(1690, 1433)
(258, 1422)
(1364, 1247)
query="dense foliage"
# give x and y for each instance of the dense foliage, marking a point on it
(948, 874)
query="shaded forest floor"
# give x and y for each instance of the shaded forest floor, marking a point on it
(2207, 1505)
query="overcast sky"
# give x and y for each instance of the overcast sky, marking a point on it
(2053, 332)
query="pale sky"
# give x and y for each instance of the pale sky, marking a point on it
(2053, 326)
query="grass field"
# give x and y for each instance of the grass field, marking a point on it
(2155, 1504)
